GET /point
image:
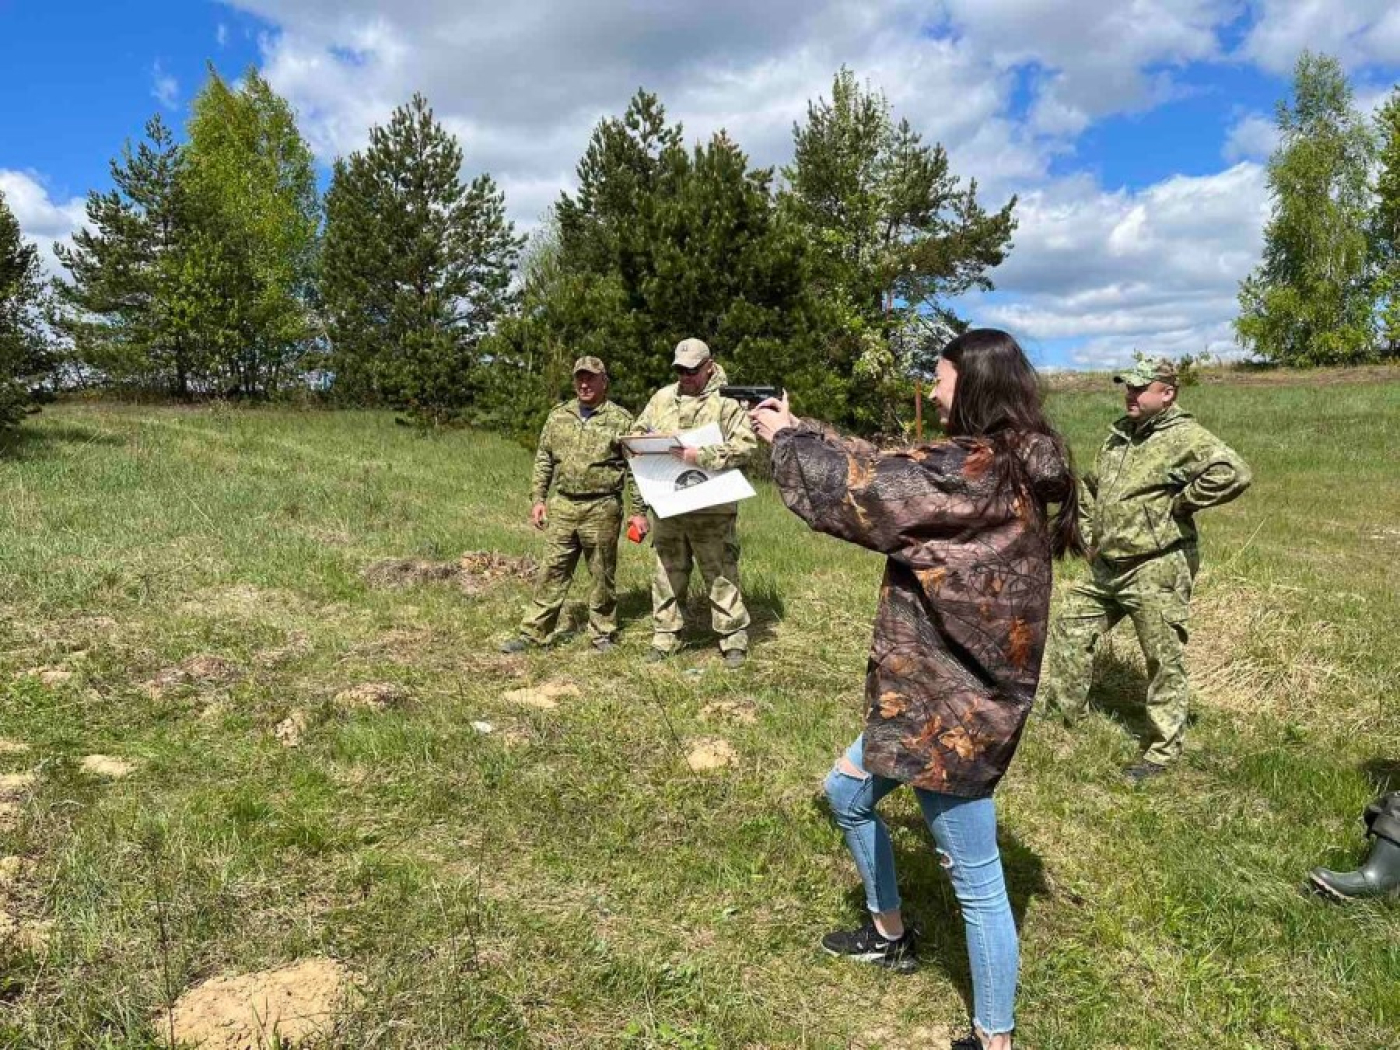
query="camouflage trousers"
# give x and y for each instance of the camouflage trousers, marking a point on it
(1156, 595)
(712, 541)
(587, 528)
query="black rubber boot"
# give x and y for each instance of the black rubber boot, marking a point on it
(1378, 875)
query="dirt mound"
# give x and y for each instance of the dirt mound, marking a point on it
(294, 1003)
(289, 731)
(393, 573)
(202, 669)
(543, 697)
(371, 696)
(711, 753)
(739, 711)
(48, 675)
(13, 784)
(12, 870)
(473, 572)
(106, 766)
(479, 569)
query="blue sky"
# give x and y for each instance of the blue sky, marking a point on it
(1134, 135)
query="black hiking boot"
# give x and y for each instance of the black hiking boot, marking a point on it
(1378, 876)
(604, 645)
(734, 659)
(518, 645)
(867, 945)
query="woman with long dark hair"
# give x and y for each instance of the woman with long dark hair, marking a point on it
(966, 527)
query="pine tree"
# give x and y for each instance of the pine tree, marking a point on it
(125, 309)
(24, 358)
(1310, 300)
(895, 234)
(417, 267)
(250, 271)
(660, 243)
(1385, 225)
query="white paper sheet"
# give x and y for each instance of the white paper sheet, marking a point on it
(670, 486)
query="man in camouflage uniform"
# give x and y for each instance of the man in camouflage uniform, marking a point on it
(1157, 469)
(580, 457)
(709, 536)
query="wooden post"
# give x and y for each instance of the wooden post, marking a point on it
(919, 410)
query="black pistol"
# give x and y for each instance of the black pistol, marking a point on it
(748, 396)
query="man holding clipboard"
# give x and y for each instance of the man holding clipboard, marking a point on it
(709, 535)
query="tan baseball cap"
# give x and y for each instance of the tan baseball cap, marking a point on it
(690, 353)
(590, 364)
(1145, 372)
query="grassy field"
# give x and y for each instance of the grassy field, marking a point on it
(185, 591)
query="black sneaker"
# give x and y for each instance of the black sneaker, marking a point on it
(867, 945)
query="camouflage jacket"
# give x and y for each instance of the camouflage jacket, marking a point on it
(1149, 481)
(582, 457)
(670, 411)
(965, 601)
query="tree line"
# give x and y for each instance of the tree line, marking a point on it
(214, 267)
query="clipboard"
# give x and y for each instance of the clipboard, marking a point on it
(650, 444)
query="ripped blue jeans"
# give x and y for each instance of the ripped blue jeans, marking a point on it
(965, 834)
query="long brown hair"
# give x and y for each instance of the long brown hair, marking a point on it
(998, 398)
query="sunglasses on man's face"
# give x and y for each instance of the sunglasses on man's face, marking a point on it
(681, 370)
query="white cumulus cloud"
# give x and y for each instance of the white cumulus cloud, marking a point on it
(1155, 269)
(42, 220)
(1358, 32)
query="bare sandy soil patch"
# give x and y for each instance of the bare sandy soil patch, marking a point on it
(289, 731)
(294, 1003)
(48, 675)
(544, 697)
(12, 784)
(371, 696)
(106, 766)
(12, 747)
(738, 711)
(710, 753)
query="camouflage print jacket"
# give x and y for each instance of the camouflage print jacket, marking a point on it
(670, 411)
(1149, 481)
(582, 457)
(965, 601)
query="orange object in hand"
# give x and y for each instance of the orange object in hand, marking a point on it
(633, 533)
